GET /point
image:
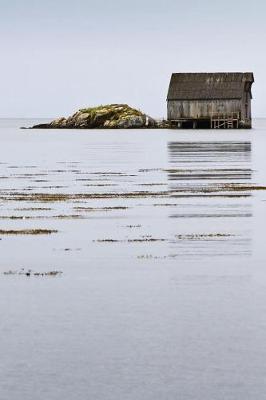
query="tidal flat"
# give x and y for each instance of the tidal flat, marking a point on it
(155, 239)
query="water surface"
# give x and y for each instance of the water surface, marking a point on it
(160, 240)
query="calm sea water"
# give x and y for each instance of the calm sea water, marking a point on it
(161, 243)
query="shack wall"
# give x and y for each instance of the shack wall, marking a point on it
(246, 106)
(196, 109)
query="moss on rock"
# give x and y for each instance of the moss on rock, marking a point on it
(111, 116)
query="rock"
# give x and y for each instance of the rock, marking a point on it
(113, 116)
(58, 122)
(42, 126)
(163, 124)
(133, 121)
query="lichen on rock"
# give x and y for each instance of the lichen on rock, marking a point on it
(112, 116)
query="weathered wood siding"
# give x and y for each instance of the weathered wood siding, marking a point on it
(246, 106)
(195, 109)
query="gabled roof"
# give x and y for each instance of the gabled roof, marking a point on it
(209, 86)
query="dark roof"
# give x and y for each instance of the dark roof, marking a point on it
(204, 86)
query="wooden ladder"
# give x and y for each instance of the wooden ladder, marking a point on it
(230, 124)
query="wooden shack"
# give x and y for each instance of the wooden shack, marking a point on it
(210, 100)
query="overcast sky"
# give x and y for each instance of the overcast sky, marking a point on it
(60, 55)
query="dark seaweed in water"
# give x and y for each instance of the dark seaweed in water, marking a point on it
(27, 231)
(30, 273)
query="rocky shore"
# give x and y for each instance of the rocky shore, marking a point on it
(113, 116)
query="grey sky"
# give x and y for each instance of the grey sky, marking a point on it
(60, 55)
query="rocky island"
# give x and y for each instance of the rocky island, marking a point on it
(112, 116)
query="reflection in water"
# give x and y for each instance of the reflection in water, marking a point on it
(213, 214)
(210, 152)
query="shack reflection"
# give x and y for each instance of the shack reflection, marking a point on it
(213, 211)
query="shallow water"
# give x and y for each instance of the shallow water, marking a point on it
(160, 240)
